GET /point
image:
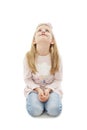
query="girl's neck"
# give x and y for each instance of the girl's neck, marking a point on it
(43, 50)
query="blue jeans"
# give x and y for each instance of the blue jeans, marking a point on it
(52, 107)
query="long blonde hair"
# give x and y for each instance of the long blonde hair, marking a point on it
(55, 59)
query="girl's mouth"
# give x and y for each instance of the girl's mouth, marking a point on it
(43, 35)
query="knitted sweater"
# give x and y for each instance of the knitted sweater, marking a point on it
(42, 78)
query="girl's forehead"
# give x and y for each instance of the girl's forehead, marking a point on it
(43, 26)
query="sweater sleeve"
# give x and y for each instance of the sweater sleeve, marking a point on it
(28, 76)
(56, 85)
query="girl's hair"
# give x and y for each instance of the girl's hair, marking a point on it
(55, 59)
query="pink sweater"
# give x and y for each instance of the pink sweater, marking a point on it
(42, 78)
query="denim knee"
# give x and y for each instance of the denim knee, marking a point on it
(53, 106)
(54, 110)
(33, 105)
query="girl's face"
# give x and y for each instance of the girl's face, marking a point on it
(43, 34)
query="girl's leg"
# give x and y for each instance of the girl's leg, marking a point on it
(53, 106)
(33, 105)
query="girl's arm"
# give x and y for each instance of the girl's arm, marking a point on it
(27, 76)
(56, 85)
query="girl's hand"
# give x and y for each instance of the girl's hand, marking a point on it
(41, 95)
(45, 97)
(47, 91)
(39, 91)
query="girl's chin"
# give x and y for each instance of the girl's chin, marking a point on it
(43, 39)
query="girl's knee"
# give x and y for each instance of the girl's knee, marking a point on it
(53, 106)
(34, 109)
(54, 110)
(33, 105)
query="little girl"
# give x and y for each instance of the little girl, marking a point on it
(43, 74)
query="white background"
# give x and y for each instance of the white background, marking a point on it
(18, 21)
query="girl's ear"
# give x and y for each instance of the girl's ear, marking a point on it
(34, 42)
(52, 42)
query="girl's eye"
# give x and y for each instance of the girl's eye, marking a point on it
(47, 30)
(39, 30)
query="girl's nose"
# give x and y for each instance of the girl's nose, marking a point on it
(43, 31)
